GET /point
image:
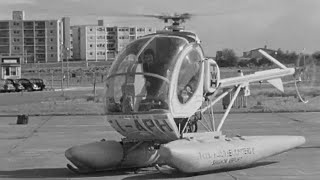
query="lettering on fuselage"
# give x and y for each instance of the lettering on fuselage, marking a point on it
(138, 125)
(227, 156)
(226, 160)
(127, 123)
(164, 126)
(148, 123)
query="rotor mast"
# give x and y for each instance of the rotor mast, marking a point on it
(176, 19)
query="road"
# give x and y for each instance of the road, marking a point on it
(36, 150)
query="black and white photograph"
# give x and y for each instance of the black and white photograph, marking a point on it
(150, 89)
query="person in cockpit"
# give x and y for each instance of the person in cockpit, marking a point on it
(148, 62)
(188, 81)
(152, 84)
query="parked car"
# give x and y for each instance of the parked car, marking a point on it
(18, 86)
(39, 83)
(6, 86)
(29, 86)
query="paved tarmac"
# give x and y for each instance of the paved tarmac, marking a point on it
(18, 98)
(36, 150)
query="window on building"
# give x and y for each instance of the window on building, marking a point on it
(40, 40)
(110, 29)
(140, 29)
(132, 38)
(123, 37)
(100, 45)
(51, 40)
(13, 71)
(16, 40)
(101, 37)
(7, 71)
(90, 45)
(51, 31)
(51, 23)
(101, 29)
(51, 47)
(90, 29)
(51, 55)
(91, 53)
(101, 53)
(109, 37)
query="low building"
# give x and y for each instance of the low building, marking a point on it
(254, 53)
(10, 67)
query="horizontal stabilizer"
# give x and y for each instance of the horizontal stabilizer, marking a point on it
(277, 83)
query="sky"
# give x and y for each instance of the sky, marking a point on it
(242, 25)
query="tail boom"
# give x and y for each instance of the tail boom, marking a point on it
(258, 76)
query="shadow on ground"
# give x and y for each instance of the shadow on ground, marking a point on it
(42, 173)
(174, 174)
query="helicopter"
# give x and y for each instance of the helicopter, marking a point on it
(157, 90)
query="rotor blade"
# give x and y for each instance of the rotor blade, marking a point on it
(266, 55)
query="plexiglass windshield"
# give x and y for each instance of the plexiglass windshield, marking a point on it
(139, 79)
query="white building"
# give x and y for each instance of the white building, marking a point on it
(36, 41)
(102, 43)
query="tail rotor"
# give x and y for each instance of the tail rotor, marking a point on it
(304, 77)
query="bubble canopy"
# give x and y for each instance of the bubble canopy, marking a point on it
(139, 79)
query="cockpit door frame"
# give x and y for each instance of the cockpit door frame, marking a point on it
(187, 109)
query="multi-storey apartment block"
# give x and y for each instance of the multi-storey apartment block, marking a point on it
(34, 40)
(102, 43)
(93, 43)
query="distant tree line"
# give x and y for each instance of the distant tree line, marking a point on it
(227, 58)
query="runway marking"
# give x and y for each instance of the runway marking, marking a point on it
(30, 134)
